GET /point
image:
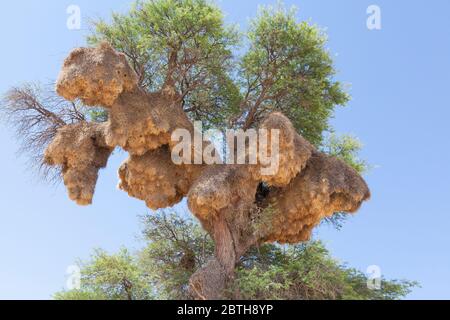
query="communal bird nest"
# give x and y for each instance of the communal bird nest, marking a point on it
(226, 198)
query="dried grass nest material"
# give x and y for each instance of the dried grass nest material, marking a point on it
(222, 187)
(293, 150)
(307, 187)
(80, 150)
(233, 187)
(327, 185)
(97, 76)
(140, 121)
(155, 179)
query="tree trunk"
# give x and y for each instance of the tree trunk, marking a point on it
(210, 282)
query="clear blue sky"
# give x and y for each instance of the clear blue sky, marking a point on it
(400, 78)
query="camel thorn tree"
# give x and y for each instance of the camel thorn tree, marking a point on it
(169, 62)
